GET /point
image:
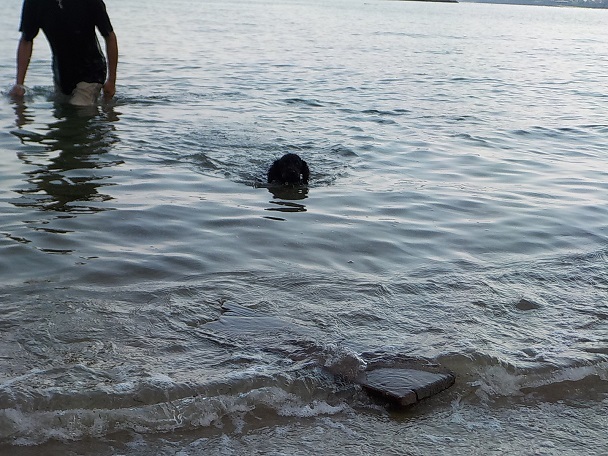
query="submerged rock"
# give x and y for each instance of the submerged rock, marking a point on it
(524, 304)
(404, 387)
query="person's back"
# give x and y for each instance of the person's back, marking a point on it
(79, 66)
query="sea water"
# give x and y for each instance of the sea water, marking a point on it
(456, 213)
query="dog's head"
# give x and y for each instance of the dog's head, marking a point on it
(290, 169)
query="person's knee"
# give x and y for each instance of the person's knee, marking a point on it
(85, 94)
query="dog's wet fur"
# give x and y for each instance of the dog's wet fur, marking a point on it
(290, 169)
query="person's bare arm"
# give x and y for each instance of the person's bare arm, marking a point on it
(24, 54)
(109, 88)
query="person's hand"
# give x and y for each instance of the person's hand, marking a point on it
(18, 91)
(109, 90)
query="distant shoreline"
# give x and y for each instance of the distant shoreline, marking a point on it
(599, 4)
(432, 1)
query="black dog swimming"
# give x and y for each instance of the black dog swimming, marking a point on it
(290, 169)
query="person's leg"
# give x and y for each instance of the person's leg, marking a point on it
(59, 96)
(85, 94)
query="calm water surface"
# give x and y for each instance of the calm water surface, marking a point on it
(456, 213)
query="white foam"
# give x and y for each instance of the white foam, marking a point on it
(124, 387)
(316, 408)
(500, 381)
(161, 380)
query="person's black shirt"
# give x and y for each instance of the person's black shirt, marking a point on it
(69, 26)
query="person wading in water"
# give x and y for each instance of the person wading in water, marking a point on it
(80, 69)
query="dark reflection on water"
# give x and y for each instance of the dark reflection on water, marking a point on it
(284, 197)
(288, 193)
(69, 171)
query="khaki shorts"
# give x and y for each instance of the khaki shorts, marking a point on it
(85, 94)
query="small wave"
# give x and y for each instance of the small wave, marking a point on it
(159, 405)
(304, 102)
(574, 133)
(35, 92)
(394, 112)
(476, 139)
(491, 380)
